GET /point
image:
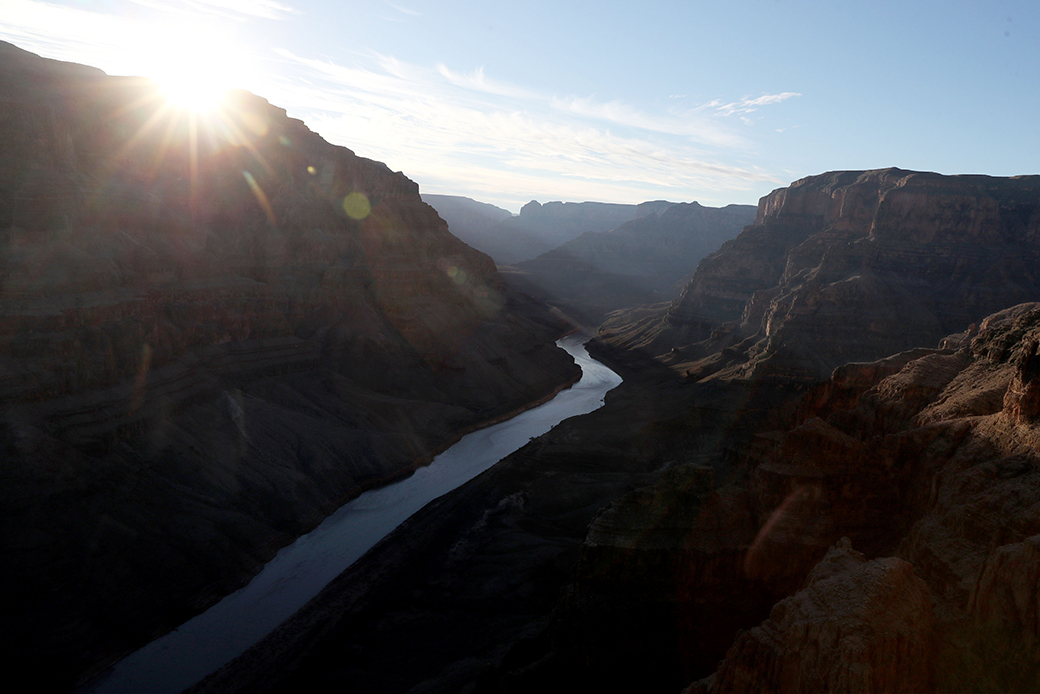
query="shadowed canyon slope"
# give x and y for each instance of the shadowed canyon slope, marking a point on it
(742, 515)
(214, 331)
(645, 261)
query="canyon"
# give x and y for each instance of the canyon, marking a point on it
(750, 510)
(819, 473)
(595, 268)
(215, 331)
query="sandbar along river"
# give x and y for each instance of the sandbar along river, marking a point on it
(204, 644)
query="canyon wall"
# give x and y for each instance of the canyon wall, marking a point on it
(892, 526)
(215, 328)
(850, 266)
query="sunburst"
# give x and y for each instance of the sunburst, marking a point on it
(196, 70)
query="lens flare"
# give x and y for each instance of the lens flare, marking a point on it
(356, 206)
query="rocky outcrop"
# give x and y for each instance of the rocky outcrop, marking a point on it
(923, 459)
(214, 330)
(944, 477)
(857, 626)
(644, 261)
(850, 266)
(538, 228)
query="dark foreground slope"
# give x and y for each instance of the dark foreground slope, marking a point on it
(684, 523)
(645, 261)
(213, 332)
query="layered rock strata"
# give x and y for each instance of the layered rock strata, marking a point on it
(929, 462)
(214, 330)
(850, 266)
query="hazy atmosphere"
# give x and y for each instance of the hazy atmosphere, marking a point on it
(715, 102)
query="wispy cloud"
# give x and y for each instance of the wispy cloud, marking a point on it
(688, 124)
(747, 105)
(477, 81)
(402, 9)
(268, 9)
(430, 121)
(125, 44)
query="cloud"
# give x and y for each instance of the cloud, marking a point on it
(267, 9)
(123, 44)
(688, 124)
(746, 105)
(442, 125)
(403, 10)
(770, 99)
(477, 81)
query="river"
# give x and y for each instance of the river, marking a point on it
(202, 645)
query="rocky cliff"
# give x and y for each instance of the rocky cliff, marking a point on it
(926, 461)
(851, 266)
(644, 261)
(214, 330)
(939, 471)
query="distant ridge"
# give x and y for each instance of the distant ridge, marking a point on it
(538, 228)
(644, 261)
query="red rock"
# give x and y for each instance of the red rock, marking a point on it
(852, 266)
(857, 626)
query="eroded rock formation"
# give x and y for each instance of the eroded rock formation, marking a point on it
(927, 462)
(850, 266)
(214, 330)
(857, 626)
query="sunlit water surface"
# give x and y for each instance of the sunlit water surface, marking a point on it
(202, 645)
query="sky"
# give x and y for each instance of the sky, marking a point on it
(506, 102)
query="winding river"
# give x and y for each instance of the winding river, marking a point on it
(202, 645)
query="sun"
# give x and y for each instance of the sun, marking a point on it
(196, 71)
(192, 92)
